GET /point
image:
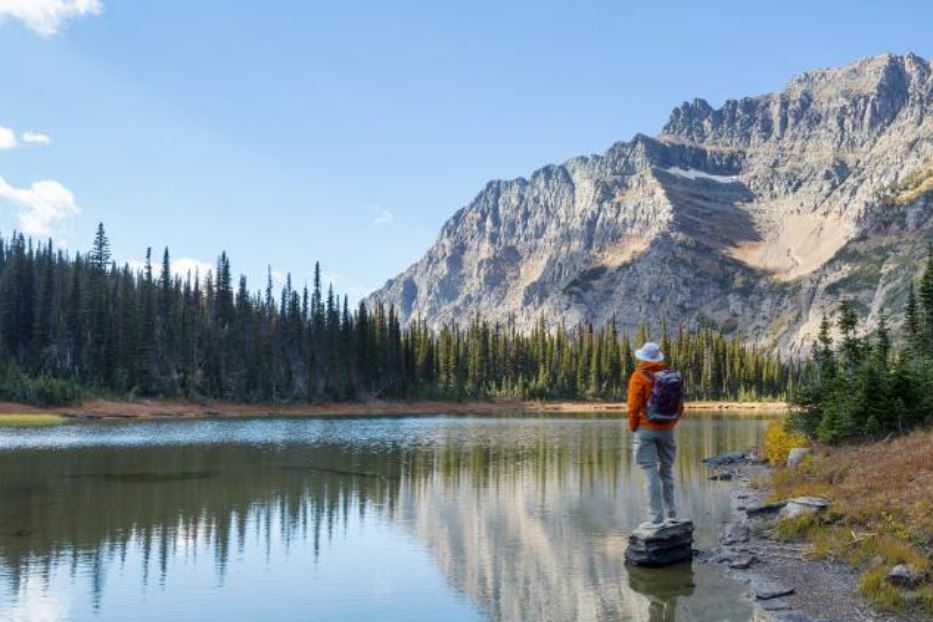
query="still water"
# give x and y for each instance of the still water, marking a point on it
(440, 518)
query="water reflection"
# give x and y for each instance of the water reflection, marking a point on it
(473, 519)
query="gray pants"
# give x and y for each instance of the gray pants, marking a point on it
(654, 453)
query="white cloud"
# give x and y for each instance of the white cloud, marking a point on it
(7, 136)
(43, 207)
(46, 17)
(183, 265)
(343, 285)
(381, 216)
(180, 267)
(36, 138)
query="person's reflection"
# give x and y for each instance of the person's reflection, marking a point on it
(662, 586)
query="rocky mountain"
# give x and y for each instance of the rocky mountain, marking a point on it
(756, 217)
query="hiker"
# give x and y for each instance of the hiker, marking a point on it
(655, 404)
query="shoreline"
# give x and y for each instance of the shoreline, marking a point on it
(99, 408)
(784, 581)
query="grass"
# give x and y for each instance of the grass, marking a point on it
(31, 421)
(881, 513)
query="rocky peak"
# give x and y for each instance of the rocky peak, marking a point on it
(754, 217)
(847, 107)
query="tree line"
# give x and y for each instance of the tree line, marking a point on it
(73, 326)
(859, 385)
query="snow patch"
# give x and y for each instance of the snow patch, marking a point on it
(691, 173)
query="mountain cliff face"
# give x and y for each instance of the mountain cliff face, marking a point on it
(756, 217)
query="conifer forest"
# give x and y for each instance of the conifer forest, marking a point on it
(73, 326)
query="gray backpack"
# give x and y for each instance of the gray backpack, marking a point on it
(667, 394)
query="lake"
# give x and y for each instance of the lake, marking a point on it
(421, 518)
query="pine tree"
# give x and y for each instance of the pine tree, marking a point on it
(100, 252)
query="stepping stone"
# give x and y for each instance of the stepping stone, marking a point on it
(660, 545)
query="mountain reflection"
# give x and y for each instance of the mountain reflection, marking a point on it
(526, 519)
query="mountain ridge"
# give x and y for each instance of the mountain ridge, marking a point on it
(754, 199)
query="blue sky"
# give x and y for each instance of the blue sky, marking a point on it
(285, 132)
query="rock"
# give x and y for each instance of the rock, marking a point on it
(734, 457)
(775, 604)
(773, 591)
(660, 545)
(796, 455)
(904, 575)
(725, 476)
(791, 178)
(736, 533)
(803, 506)
(736, 561)
(742, 563)
(764, 509)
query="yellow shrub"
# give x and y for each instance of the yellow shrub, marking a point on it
(779, 441)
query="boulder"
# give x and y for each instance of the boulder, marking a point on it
(796, 455)
(904, 575)
(803, 506)
(660, 545)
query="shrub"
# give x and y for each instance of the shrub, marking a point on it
(779, 441)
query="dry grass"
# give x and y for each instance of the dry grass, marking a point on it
(28, 420)
(882, 511)
(914, 186)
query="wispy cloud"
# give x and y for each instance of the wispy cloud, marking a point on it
(47, 17)
(381, 216)
(43, 208)
(7, 138)
(36, 138)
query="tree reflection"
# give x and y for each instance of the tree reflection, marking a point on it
(527, 521)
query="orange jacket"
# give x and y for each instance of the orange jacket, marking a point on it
(639, 391)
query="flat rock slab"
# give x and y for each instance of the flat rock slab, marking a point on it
(663, 531)
(772, 591)
(802, 506)
(764, 509)
(661, 544)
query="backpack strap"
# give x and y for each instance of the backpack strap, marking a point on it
(648, 374)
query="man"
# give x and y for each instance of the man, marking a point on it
(655, 404)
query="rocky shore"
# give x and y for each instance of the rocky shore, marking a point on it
(787, 585)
